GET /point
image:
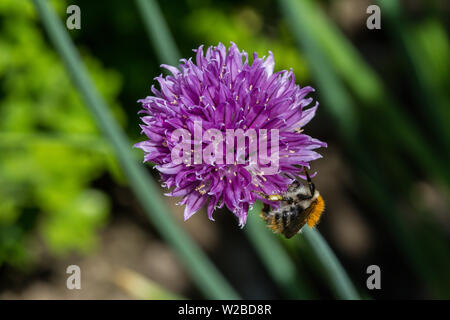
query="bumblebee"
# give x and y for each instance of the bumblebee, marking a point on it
(300, 205)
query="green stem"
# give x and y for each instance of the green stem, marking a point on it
(275, 258)
(158, 32)
(203, 272)
(336, 275)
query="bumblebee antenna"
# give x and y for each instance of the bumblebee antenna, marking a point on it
(312, 187)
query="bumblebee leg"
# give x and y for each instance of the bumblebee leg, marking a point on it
(265, 211)
(273, 197)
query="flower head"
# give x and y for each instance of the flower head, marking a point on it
(223, 92)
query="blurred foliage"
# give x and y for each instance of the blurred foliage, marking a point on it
(50, 148)
(388, 133)
(371, 121)
(396, 92)
(142, 288)
(245, 28)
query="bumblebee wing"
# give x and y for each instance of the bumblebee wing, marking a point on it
(297, 221)
(310, 215)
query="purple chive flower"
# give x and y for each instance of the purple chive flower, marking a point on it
(224, 91)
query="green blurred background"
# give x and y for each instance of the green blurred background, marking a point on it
(385, 114)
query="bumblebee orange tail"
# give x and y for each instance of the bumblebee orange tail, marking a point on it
(316, 212)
